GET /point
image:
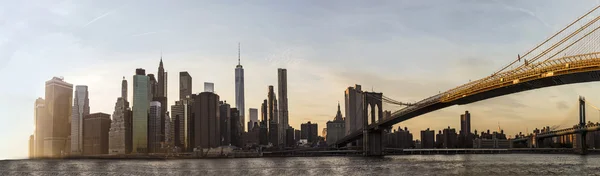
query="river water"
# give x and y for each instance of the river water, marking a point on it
(499, 164)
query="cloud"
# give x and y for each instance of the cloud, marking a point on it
(146, 33)
(562, 105)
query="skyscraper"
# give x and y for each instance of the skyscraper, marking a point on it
(95, 139)
(236, 128)
(41, 126)
(465, 123)
(253, 114)
(59, 97)
(124, 89)
(185, 85)
(271, 98)
(225, 122)
(309, 131)
(353, 97)
(161, 96)
(119, 135)
(81, 108)
(154, 126)
(162, 80)
(141, 105)
(153, 86)
(283, 103)
(336, 129)
(177, 112)
(239, 90)
(205, 110)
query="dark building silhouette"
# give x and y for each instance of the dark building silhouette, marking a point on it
(401, 138)
(252, 137)
(289, 137)
(225, 121)
(273, 131)
(450, 138)
(336, 129)
(465, 123)
(309, 131)
(427, 140)
(236, 127)
(185, 85)
(205, 112)
(297, 135)
(95, 133)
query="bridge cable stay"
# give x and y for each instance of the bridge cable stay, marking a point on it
(584, 45)
(588, 103)
(524, 56)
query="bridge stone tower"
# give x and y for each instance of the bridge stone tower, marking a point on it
(581, 139)
(373, 139)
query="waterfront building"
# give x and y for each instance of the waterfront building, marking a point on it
(95, 133)
(297, 135)
(31, 146)
(225, 122)
(81, 108)
(141, 106)
(236, 127)
(58, 103)
(289, 137)
(185, 85)
(239, 90)
(427, 140)
(450, 138)
(309, 131)
(154, 126)
(273, 131)
(180, 126)
(252, 137)
(283, 104)
(41, 120)
(119, 135)
(401, 138)
(205, 110)
(336, 129)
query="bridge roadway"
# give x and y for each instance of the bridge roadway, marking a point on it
(560, 71)
(566, 131)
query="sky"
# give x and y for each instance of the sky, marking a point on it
(409, 50)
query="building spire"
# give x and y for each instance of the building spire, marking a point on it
(161, 62)
(239, 54)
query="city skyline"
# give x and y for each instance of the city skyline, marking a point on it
(109, 64)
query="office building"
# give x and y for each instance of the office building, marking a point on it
(427, 139)
(336, 129)
(273, 134)
(141, 107)
(209, 87)
(264, 112)
(450, 137)
(353, 98)
(119, 135)
(95, 134)
(252, 137)
(309, 131)
(205, 110)
(297, 135)
(236, 127)
(168, 143)
(185, 85)
(289, 137)
(154, 126)
(124, 89)
(225, 121)
(41, 120)
(253, 114)
(81, 108)
(283, 103)
(162, 80)
(239, 90)
(180, 125)
(465, 123)
(153, 86)
(58, 102)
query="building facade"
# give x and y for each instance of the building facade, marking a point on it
(119, 135)
(309, 131)
(283, 103)
(154, 127)
(58, 103)
(141, 107)
(427, 139)
(336, 129)
(81, 108)
(205, 110)
(225, 122)
(353, 98)
(185, 85)
(209, 87)
(236, 127)
(253, 114)
(95, 134)
(465, 123)
(41, 126)
(239, 90)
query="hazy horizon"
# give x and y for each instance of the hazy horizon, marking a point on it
(408, 50)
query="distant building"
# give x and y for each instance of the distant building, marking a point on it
(185, 85)
(336, 129)
(427, 140)
(401, 138)
(177, 114)
(205, 110)
(236, 127)
(253, 113)
(353, 97)
(31, 146)
(289, 137)
(81, 108)
(209, 87)
(465, 123)
(141, 107)
(309, 131)
(491, 140)
(450, 138)
(239, 90)
(283, 104)
(252, 137)
(95, 133)
(120, 128)
(57, 128)
(154, 126)
(42, 120)
(273, 134)
(225, 121)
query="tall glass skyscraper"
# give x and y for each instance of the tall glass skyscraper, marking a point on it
(239, 90)
(141, 104)
(283, 103)
(59, 101)
(81, 108)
